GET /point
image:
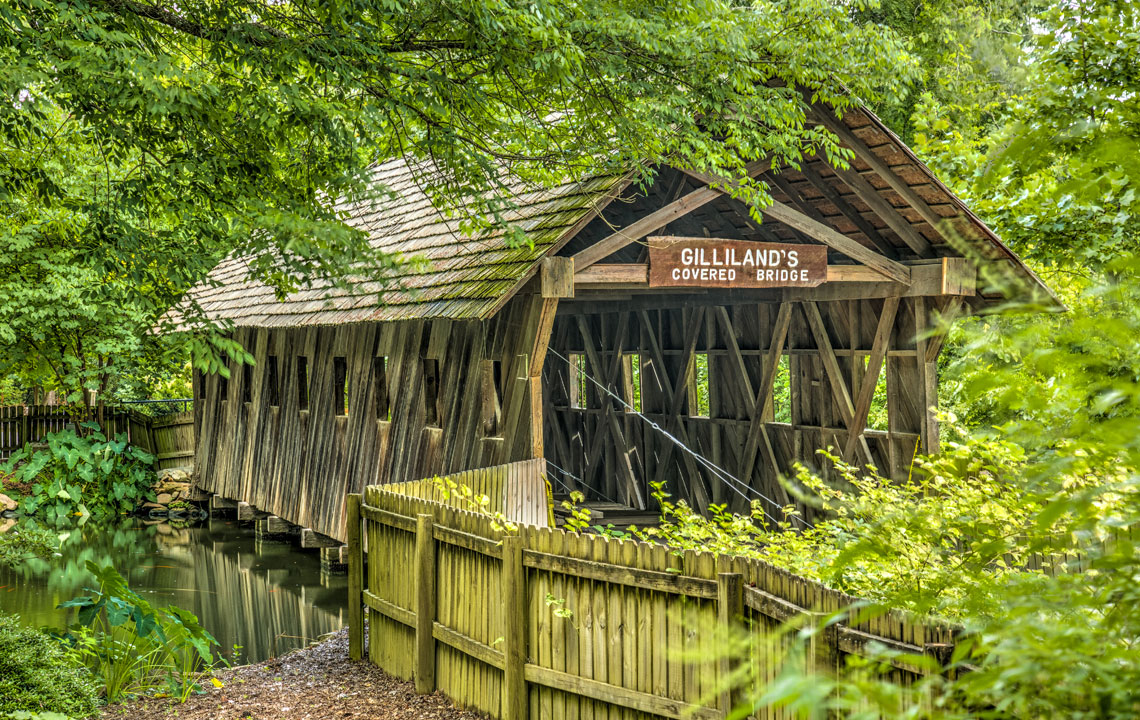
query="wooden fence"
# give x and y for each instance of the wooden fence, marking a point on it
(517, 490)
(553, 624)
(170, 438)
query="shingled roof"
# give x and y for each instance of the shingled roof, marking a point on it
(460, 277)
(449, 274)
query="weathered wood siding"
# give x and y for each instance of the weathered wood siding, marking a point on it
(299, 463)
(593, 437)
(518, 491)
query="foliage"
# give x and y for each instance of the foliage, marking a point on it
(133, 647)
(20, 543)
(81, 475)
(1056, 171)
(971, 58)
(38, 675)
(904, 542)
(142, 143)
(464, 497)
(1054, 483)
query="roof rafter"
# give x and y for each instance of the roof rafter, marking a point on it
(864, 153)
(813, 212)
(848, 210)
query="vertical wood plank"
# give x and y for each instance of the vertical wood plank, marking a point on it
(425, 604)
(355, 580)
(515, 630)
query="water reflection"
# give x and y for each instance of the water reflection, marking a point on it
(259, 596)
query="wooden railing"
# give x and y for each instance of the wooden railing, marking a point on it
(169, 438)
(518, 491)
(553, 624)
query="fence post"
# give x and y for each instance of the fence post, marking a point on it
(514, 630)
(822, 647)
(730, 614)
(425, 604)
(355, 580)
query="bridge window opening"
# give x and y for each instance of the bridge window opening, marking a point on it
(431, 393)
(223, 387)
(578, 382)
(272, 382)
(303, 383)
(877, 416)
(340, 385)
(782, 392)
(699, 386)
(492, 397)
(631, 380)
(246, 383)
(380, 378)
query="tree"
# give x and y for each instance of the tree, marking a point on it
(143, 141)
(1056, 173)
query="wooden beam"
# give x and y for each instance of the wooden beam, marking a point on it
(894, 220)
(830, 193)
(546, 315)
(805, 206)
(557, 277)
(830, 362)
(945, 319)
(905, 191)
(947, 276)
(675, 398)
(871, 378)
(655, 221)
(757, 432)
(892, 269)
(613, 276)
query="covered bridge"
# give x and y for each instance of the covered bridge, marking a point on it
(630, 328)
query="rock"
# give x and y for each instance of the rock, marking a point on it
(7, 503)
(151, 506)
(164, 499)
(7, 525)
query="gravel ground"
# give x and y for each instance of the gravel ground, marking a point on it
(316, 683)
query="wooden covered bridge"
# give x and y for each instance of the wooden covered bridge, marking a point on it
(629, 329)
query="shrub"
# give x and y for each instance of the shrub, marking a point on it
(82, 475)
(27, 541)
(38, 675)
(135, 648)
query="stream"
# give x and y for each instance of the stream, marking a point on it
(258, 599)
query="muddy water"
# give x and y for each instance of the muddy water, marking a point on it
(263, 598)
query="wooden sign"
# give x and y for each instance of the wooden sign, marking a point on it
(709, 262)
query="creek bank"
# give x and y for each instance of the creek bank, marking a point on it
(175, 496)
(318, 682)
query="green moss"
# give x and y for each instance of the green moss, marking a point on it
(38, 675)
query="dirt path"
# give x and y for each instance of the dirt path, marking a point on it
(316, 683)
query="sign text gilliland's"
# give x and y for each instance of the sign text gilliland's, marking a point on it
(708, 262)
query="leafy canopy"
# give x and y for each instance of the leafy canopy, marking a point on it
(143, 141)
